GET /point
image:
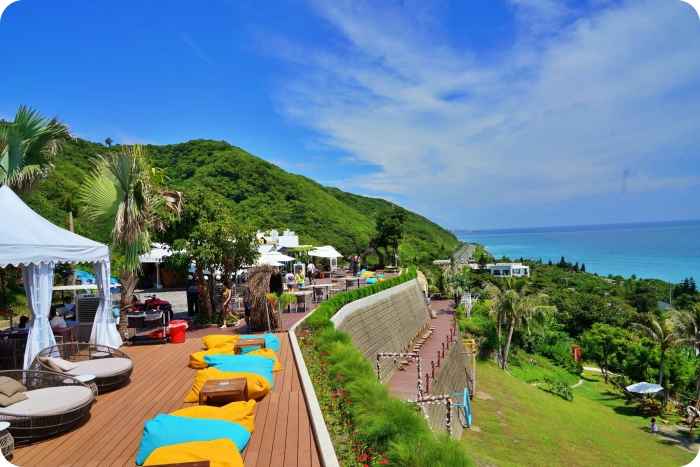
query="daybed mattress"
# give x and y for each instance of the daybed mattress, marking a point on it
(49, 401)
(101, 367)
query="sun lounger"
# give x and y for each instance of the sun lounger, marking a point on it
(111, 367)
(54, 404)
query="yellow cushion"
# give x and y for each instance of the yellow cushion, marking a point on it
(197, 358)
(366, 274)
(238, 412)
(267, 353)
(219, 452)
(217, 340)
(258, 386)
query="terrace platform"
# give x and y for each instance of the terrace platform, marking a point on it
(110, 436)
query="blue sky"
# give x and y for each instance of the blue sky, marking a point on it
(476, 114)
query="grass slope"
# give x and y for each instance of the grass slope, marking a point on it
(257, 192)
(522, 425)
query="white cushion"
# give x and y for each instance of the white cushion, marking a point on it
(64, 365)
(50, 400)
(101, 367)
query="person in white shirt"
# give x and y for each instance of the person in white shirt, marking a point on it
(290, 281)
(311, 273)
(56, 320)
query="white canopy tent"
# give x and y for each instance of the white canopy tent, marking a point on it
(327, 252)
(30, 241)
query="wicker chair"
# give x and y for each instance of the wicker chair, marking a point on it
(30, 428)
(83, 352)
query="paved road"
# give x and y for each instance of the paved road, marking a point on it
(465, 253)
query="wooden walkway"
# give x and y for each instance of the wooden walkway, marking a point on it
(111, 435)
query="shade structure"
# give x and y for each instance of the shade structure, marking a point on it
(28, 238)
(325, 252)
(277, 256)
(644, 388)
(30, 241)
(266, 261)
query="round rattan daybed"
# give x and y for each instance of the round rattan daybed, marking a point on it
(54, 404)
(111, 367)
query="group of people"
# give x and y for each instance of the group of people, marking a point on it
(298, 280)
(194, 294)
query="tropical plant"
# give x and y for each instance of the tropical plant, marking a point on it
(513, 305)
(665, 334)
(688, 326)
(459, 284)
(601, 344)
(390, 230)
(27, 146)
(123, 194)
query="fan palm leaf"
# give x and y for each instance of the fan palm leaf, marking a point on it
(27, 146)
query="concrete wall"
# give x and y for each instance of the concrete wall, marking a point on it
(450, 378)
(385, 322)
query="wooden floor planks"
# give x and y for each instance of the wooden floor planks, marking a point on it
(110, 437)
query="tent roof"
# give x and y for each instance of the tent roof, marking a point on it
(28, 238)
(158, 251)
(326, 251)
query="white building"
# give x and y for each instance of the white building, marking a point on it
(509, 269)
(287, 239)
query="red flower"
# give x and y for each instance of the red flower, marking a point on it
(339, 376)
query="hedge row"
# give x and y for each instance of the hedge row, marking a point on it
(388, 423)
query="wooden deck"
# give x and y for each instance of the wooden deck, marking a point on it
(111, 435)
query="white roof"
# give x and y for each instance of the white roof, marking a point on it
(28, 238)
(158, 251)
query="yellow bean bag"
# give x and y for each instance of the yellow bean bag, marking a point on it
(267, 353)
(258, 386)
(219, 452)
(237, 412)
(366, 274)
(197, 358)
(217, 340)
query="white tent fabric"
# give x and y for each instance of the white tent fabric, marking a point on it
(38, 285)
(277, 256)
(104, 330)
(644, 388)
(325, 252)
(156, 254)
(30, 241)
(28, 238)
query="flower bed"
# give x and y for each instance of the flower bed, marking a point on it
(368, 426)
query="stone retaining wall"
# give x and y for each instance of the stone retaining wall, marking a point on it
(450, 378)
(385, 322)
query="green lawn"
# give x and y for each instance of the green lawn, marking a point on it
(523, 425)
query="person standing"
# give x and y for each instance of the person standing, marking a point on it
(311, 272)
(193, 292)
(246, 307)
(227, 305)
(654, 426)
(299, 278)
(289, 277)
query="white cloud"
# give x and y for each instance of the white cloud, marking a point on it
(579, 98)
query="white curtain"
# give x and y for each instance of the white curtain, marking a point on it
(104, 330)
(38, 285)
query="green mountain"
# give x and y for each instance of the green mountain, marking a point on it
(255, 191)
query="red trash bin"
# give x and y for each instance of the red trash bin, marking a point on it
(177, 331)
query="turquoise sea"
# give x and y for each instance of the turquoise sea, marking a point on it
(669, 251)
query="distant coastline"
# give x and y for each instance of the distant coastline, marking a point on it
(667, 251)
(582, 228)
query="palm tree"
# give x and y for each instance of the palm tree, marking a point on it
(666, 334)
(27, 146)
(513, 305)
(123, 194)
(688, 326)
(459, 284)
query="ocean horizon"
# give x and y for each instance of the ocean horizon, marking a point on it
(669, 250)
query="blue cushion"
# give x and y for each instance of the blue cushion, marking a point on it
(271, 342)
(243, 364)
(372, 281)
(166, 430)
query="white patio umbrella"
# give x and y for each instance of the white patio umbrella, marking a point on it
(267, 262)
(325, 252)
(279, 257)
(644, 388)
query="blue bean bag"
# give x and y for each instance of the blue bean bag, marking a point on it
(166, 430)
(243, 364)
(372, 281)
(271, 342)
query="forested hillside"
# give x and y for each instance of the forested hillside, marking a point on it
(257, 192)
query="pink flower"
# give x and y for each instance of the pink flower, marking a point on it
(339, 376)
